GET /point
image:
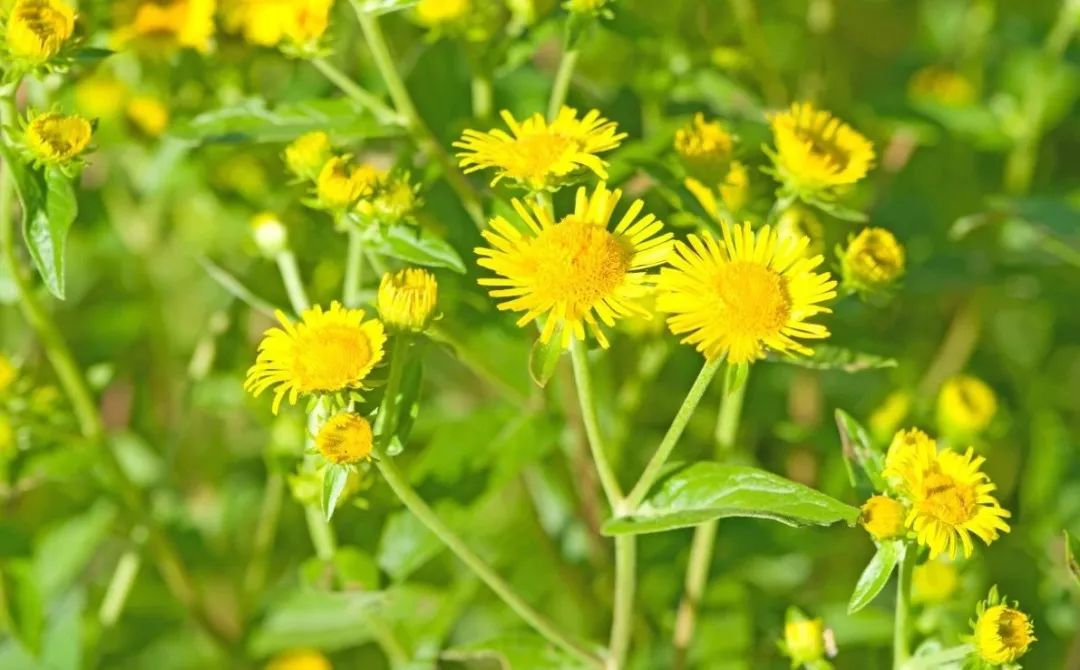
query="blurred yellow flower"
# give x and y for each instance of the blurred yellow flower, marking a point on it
(100, 96)
(300, 659)
(735, 188)
(705, 148)
(886, 419)
(883, 517)
(272, 22)
(816, 151)
(55, 138)
(750, 293)
(407, 299)
(965, 405)
(804, 641)
(36, 30)
(345, 439)
(7, 373)
(1002, 634)
(326, 352)
(934, 582)
(575, 272)
(341, 184)
(941, 85)
(149, 114)
(538, 155)
(270, 235)
(166, 24)
(433, 13)
(873, 260)
(306, 155)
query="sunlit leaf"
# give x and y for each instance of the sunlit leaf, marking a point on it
(863, 461)
(829, 357)
(316, 620)
(252, 121)
(876, 575)
(416, 245)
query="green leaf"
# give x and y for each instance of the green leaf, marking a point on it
(544, 359)
(735, 376)
(515, 651)
(252, 121)
(707, 491)
(62, 644)
(333, 484)
(379, 7)
(316, 619)
(416, 245)
(25, 604)
(406, 545)
(1072, 556)
(876, 575)
(91, 54)
(64, 551)
(828, 357)
(859, 452)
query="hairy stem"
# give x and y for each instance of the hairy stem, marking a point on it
(355, 91)
(561, 85)
(354, 270)
(901, 650)
(583, 380)
(294, 286)
(623, 615)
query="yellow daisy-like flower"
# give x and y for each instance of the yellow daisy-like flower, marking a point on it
(1002, 633)
(149, 114)
(306, 155)
(705, 148)
(951, 500)
(36, 30)
(341, 184)
(433, 13)
(55, 138)
(934, 582)
(166, 24)
(750, 293)
(883, 517)
(326, 352)
(873, 260)
(575, 272)
(407, 299)
(817, 151)
(804, 641)
(908, 449)
(300, 659)
(271, 22)
(965, 405)
(538, 155)
(345, 438)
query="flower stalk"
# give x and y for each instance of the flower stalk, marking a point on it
(901, 649)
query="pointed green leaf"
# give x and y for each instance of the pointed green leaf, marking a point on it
(876, 575)
(828, 357)
(252, 121)
(416, 245)
(735, 376)
(316, 619)
(707, 491)
(864, 463)
(334, 479)
(544, 359)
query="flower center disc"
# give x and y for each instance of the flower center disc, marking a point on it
(330, 358)
(947, 500)
(537, 153)
(753, 299)
(578, 263)
(829, 152)
(1012, 630)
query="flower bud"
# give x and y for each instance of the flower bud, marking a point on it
(306, 155)
(270, 234)
(883, 518)
(873, 261)
(345, 439)
(407, 299)
(804, 640)
(965, 406)
(37, 29)
(341, 185)
(54, 138)
(705, 149)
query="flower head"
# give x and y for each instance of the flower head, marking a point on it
(54, 138)
(804, 640)
(705, 148)
(270, 23)
(157, 25)
(735, 299)
(965, 405)
(299, 659)
(883, 517)
(575, 272)
(306, 155)
(1002, 633)
(393, 198)
(907, 450)
(345, 439)
(36, 30)
(326, 352)
(407, 299)
(538, 155)
(815, 151)
(735, 187)
(873, 260)
(149, 114)
(271, 236)
(341, 184)
(934, 582)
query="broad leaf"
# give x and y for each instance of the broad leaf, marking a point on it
(876, 575)
(707, 491)
(416, 245)
(335, 477)
(406, 545)
(864, 463)
(64, 551)
(252, 121)
(316, 619)
(828, 357)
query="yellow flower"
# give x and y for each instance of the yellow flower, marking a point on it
(306, 155)
(300, 659)
(951, 500)
(341, 184)
(816, 151)
(539, 155)
(735, 188)
(799, 221)
(149, 114)
(100, 96)
(965, 405)
(7, 373)
(750, 293)
(804, 641)
(432, 13)
(36, 30)
(941, 85)
(270, 234)
(1002, 633)
(705, 148)
(407, 299)
(271, 22)
(908, 449)
(889, 415)
(157, 24)
(345, 439)
(392, 199)
(575, 271)
(326, 352)
(883, 518)
(873, 260)
(934, 582)
(55, 138)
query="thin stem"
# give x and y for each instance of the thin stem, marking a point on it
(674, 432)
(583, 380)
(354, 269)
(623, 615)
(399, 483)
(265, 530)
(358, 93)
(561, 85)
(481, 95)
(322, 534)
(386, 422)
(384, 61)
(112, 605)
(294, 286)
(901, 651)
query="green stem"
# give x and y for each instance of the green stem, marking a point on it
(701, 548)
(265, 530)
(386, 422)
(112, 605)
(358, 93)
(481, 96)
(399, 483)
(322, 534)
(901, 651)
(561, 85)
(623, 613)
(294, 286)
(384, 61)
(582, 378)
(674, 432)
(354, 269)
